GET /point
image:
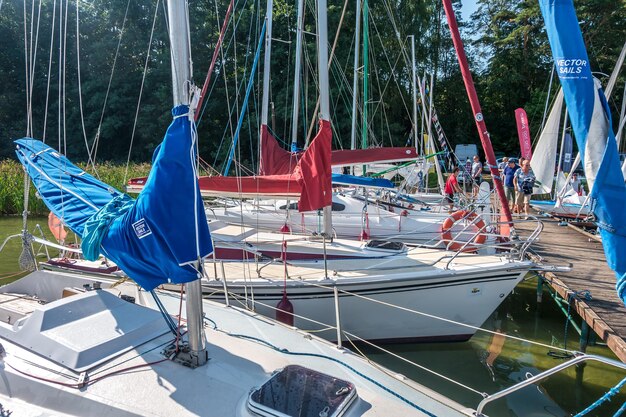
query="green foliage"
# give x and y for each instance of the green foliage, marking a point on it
(12, 184)
(506, 44)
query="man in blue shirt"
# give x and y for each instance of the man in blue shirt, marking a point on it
(509, 184)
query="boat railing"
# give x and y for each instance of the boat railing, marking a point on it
(515, 246)
(352, 338)
(543, 375)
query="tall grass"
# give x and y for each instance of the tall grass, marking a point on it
(12, 184)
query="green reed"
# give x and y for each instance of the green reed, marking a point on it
(12, 184)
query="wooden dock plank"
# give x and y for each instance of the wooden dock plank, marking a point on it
(605, 311)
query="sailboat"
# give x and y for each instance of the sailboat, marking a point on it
(72, 345)
(568, 203)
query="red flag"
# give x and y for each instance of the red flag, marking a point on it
(524, 133)
(313, 171)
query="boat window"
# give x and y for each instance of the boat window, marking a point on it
(292, 206)
(303, 392)
(385, 245)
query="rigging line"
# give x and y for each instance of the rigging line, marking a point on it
(33, 62)
(238, 87)
(45, 117)
(59, 85)
(67, 4)
(330, 61)
(26, 72)
(223, 61)
(402, 358)
(247, 96)
(143, 80)
(216, 52)
(96, 139)
(393, 75)
(80, 96)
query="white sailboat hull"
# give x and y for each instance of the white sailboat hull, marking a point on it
(378, 308)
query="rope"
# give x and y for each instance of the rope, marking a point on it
(80, 96)
(96, 140)
(45, 117)
(143, 79)
(604, 398)
(329, 358)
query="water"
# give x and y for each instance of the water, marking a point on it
(471, 363)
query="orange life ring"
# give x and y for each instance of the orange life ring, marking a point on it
(446, 230)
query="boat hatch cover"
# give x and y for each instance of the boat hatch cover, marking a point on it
(302, 392)
(386, 245)
(84, 330)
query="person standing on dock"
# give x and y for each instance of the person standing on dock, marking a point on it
(509, 184)
(525, 180)
(477, 175)
(452, 187)
(576, 185)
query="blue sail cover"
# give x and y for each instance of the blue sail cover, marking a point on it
(68, 191)
(161, 236)
(361, 181)
(591, 121)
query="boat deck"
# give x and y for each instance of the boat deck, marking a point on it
(605, 311)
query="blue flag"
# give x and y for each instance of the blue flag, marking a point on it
(591, 122)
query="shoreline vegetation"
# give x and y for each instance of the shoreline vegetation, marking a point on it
(12, 184)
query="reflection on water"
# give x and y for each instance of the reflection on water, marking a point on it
(488, 362)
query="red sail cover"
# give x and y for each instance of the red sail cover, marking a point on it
(274, 159)
(311, 179)
(277, 161)
(313, 171)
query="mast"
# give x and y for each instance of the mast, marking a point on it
(266, 67)
(181, 80)
(296, 82)
(355, 82)
(476, 110)
(366, 69)
(558, 164)
(414, 84)
(322, 68)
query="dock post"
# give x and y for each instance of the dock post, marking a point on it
(584, 337)
(539, 288)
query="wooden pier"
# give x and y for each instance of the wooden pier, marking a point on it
(605, 312)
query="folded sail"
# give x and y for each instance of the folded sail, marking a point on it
(591, 122)
(313, 172)
(544, 157)
(68, 191)
(158, 238)
(277, 161)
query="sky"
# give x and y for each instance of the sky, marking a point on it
(469, 7)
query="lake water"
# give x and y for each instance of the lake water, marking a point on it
(485, 363)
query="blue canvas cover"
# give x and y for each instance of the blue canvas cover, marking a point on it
(591, 122)
(161, 236)
(361, 181)
(68, 191)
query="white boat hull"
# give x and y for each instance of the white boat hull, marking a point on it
(378, 309)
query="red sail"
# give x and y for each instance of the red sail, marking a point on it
(274, 159)
(277, 161)
(313, 171)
